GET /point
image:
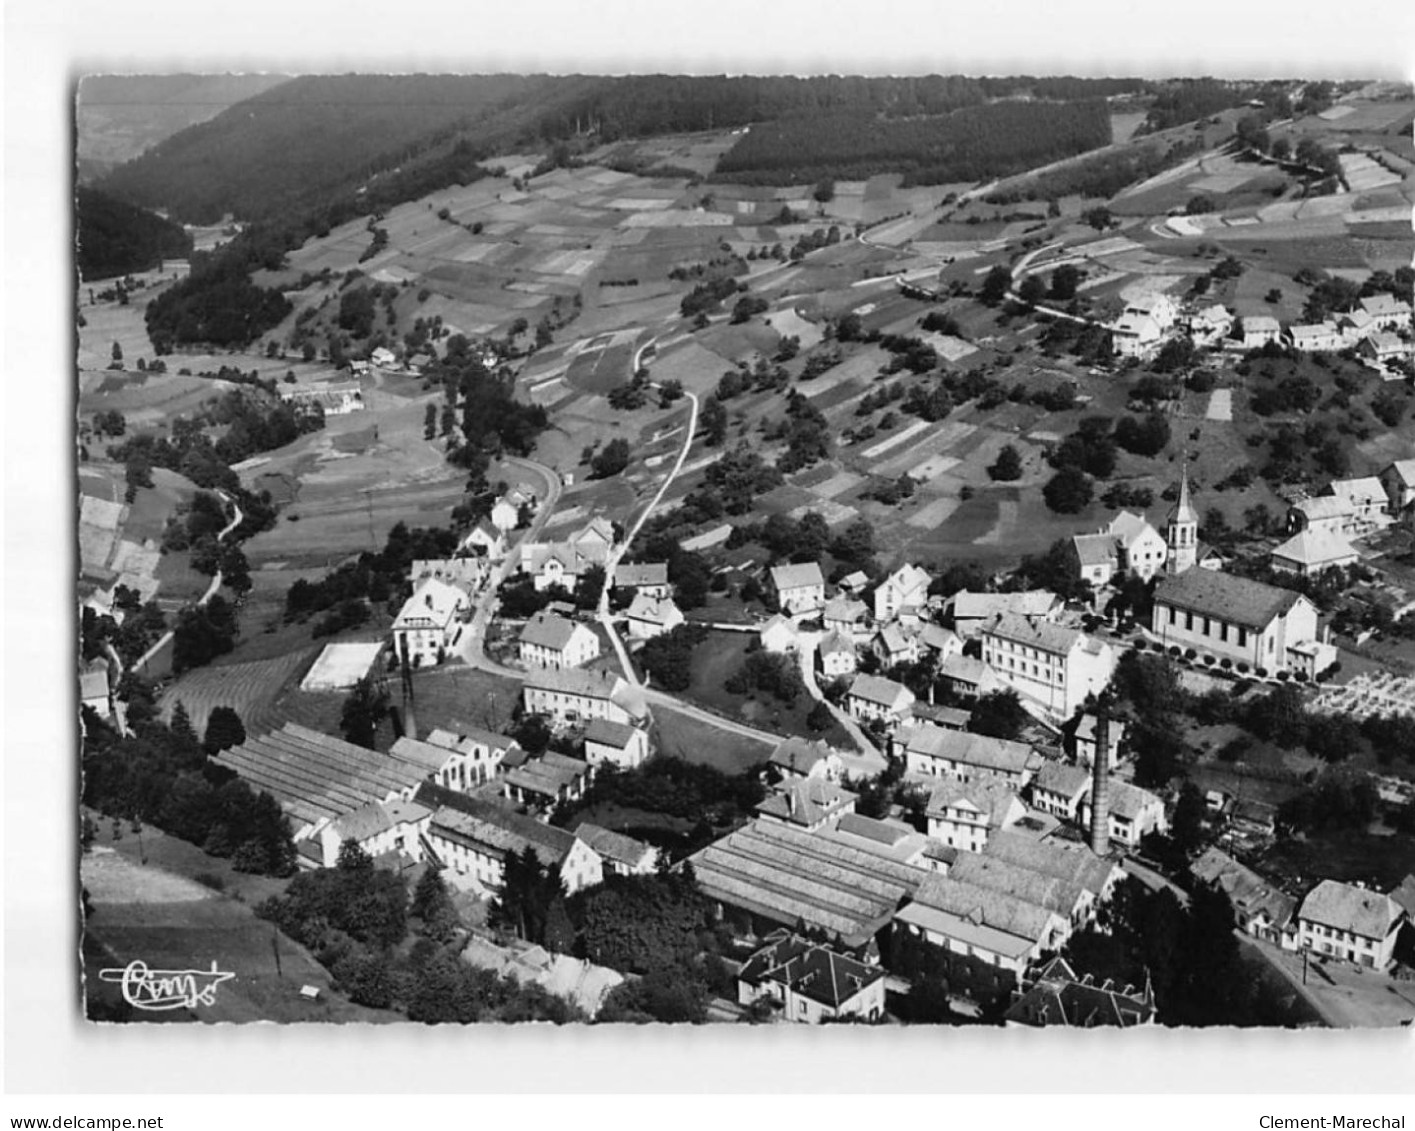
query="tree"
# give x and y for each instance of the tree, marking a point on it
(820, 718)
(1069, 491)
(117, 352)
(1098, 217)
(824, 191)
(527, 891)
(432, 904)
(1031, 290)
(713, 421)
(1008, 466)
(611, 459)
(999, 714)
(1064, 281)
(364, 709)
(223, 730)
(995, 285)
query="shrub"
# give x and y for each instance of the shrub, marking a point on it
(1261, 673)
(1300, 677)
(1242, 668)
(210, 880)
(1225, 663)
(1190, 654)
(1174, 650)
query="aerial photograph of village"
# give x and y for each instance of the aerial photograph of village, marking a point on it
(745, 550)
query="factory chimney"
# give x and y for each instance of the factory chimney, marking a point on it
(1100, 786)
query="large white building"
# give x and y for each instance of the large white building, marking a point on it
(937, 751)
(550, 641)
(429, 622)
(1242, 620)
(575, 695)
(1350, 922)
(1127, 544)
(799, 589)
(963, 814)
(906, 586)
(1053, 665)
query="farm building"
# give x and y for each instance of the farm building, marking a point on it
(798, 589)
(1135, 335)
(972, 611)
(646, 578)
(1387, 312)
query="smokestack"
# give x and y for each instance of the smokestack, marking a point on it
(1100, 787)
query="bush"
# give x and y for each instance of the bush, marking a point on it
(1189, 654)
(1225, 663)
(1261, 673)
(210, 880)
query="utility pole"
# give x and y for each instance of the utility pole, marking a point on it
(275, 949)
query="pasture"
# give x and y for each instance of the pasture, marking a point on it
(250, 688)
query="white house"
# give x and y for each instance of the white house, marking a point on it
(893, 646)
(506, 511)
(943, 752)
(778, 635)
(1083, 740)
(1235, 618)
(429, 622)
(619, 744)
(1309, 552)
(1320, 337)
(968, 676)
(837, 654)
(797, 759)
(1134, 813)
(1135, 335)
(473, 840)
(811, 983)
(1210, 325)
(1056, 666)
(620, 855)
(467, 574)
(484, 538)
(1259, 908)
(799, 589)
(476, 755)
(939, 643)
(378, 827)
(1351, 922)
(846, 615)
(1059, 789)
(1366, 498)
(906, 586)
(649, 579)
(963, 814)
(647, 616)
(872, 697)
(1386, 346)
(1128, 543)
(572, 695)
(971, 612)
(550, 641)
(1157, 306)
(1387, 311)
(1259, 330)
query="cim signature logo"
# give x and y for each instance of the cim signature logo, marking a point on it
(158, 990)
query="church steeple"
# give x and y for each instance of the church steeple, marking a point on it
(1182, 530)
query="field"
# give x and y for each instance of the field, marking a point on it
(249, 688)
(682, 736)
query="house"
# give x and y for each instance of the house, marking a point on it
(554, 564)
(947, 718)
(1325, 514)
(1399, 482)
(644, 578)
(477, 755)
(467, 574)
(486, 539)
(472, 839)
(993, 927)
(1356, 325)
(837, 654)
(621, 855)
(1320, 337)
(379, 828)
(94, 690)
(430, 622)
(936, 751)
(798, 589)
(807, 803)
(383, 358)
(967, 676)
(778, 635)
(853, 584)
(1128, 543)
(648, 616)
(972, 611)
(1242, 620)
(846, 615)
(1351, 922)
(1259, 330)
(595, 539)
(797, 759)
(570, 695)
(1135, 335)
(872, 697)
(1309, 552)
(1367, 502)
(1210, 325)
(1083, 740)
(939, 643)
(963, 813)
(1134, 813)
(545, 782)
(551, 641)
(1068, 898)
(1158, 307)
(811, 983)
(1259, 908)
(907, 585)
(1385, 347)
(1059, 788)
(506, 511)
(1055, 666)
(893, 646)
(1055, 996)
(1387, 311)
(619, 744)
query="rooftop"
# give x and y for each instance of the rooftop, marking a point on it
(800, 754)
(877, 689)
(631, 575)
(1315, 548)
(1225, 596)
(1058, 997)
(1054, 858)
(606, 732)
(1349, 908)
(614, 846)
(1000, 755)
(797, 576)
(992, 799)
(546, 630)
(806, 802)
(809, 969)
(432, 600)
(1042, 635)
(1062, 778)
(1030, 603)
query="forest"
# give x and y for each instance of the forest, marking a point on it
(974, 143)
(217, 303)
(116, 239)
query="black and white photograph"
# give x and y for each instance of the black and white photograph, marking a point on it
(753, 548)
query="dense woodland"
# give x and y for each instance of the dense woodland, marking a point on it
(118, 239)
(973, 143)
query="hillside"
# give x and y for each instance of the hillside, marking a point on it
(117, 239)
(119, 117)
